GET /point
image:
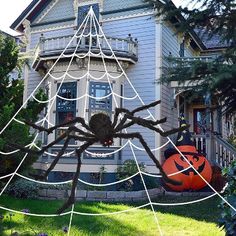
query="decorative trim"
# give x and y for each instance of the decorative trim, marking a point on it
(158, 90)
(53, 22)
(52, 28)
(126, 9)
(24, 14)
(128, 17)
(47, 11)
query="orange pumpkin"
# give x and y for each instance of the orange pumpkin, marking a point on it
(189, 177)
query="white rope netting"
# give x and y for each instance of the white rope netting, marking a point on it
(92, 23)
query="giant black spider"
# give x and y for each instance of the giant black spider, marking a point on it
(101, 129)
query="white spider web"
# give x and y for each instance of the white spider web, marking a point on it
(92, 23)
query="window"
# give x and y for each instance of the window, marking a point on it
(99, 89)
(66, 110)
(199, 121)
(83, 11)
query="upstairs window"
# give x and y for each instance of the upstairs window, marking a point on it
(99, 90)
(83, 11)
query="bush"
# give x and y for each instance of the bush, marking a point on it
(228, 215)
(128, 169)
(23, 189)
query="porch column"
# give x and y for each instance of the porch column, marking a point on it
(209, 139)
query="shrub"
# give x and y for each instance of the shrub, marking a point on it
(23, 189)
(128, 169)
(228, 215)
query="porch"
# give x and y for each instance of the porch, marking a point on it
(208, 126)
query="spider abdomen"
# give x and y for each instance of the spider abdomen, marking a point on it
(101, 126)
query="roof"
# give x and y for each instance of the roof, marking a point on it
(30, 13)
(211, 42)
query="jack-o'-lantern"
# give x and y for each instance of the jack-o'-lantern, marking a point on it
(186, 174)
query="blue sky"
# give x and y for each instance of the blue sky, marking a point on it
(11, 9)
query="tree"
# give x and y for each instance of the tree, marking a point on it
(228, 215)
(208, 19)
(11, 96)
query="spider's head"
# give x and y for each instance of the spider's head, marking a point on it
(107, 142)
(101, 126)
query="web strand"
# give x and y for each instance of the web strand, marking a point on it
(142, 102)
(93, 19)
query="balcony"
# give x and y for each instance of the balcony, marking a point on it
(51, 48)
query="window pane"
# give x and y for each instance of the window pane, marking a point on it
(83, 11)
(98, 90)
(66, 110)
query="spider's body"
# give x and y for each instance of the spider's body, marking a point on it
(101, 129)
(101, 126)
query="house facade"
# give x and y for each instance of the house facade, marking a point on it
(140, 41)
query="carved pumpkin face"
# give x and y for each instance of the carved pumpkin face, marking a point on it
(189, 178)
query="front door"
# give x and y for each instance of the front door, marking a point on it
(199, 121)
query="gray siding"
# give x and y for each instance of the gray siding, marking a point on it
(135, 7)
(142, 75)
(171, 45)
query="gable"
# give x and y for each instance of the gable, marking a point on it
(55, 11)
(33, 9)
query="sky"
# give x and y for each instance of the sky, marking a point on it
(11, 9)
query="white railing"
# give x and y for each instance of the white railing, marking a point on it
(200, 58)
(224, 152)
(220, 151)
(127, 46)
(200, 143)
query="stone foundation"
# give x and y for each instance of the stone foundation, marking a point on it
(114, 196)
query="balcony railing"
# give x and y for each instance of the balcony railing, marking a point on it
(123, 48)
(192, 59)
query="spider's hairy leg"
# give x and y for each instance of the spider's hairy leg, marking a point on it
(59, 155)
(150, 154)
(131, 113)
(65, 145)
(173, 131)
(50, 130)
(39, 128)
(118, 111)
(40, 152)
(71, 199)
(151, 125)
(145, 107)
(139, 121)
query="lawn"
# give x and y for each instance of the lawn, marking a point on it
(197, 219)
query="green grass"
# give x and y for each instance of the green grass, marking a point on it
(197, 219)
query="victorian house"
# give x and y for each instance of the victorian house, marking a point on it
(140, 42)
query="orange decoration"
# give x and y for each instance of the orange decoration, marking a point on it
(175, 163)
(189, 178)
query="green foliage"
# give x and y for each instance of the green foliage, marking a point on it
(198, 219)
(232, 140)
(228, 215)
(128, 169)
(11, 96)
(211, 18)
(23, 189)
(215, 76)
